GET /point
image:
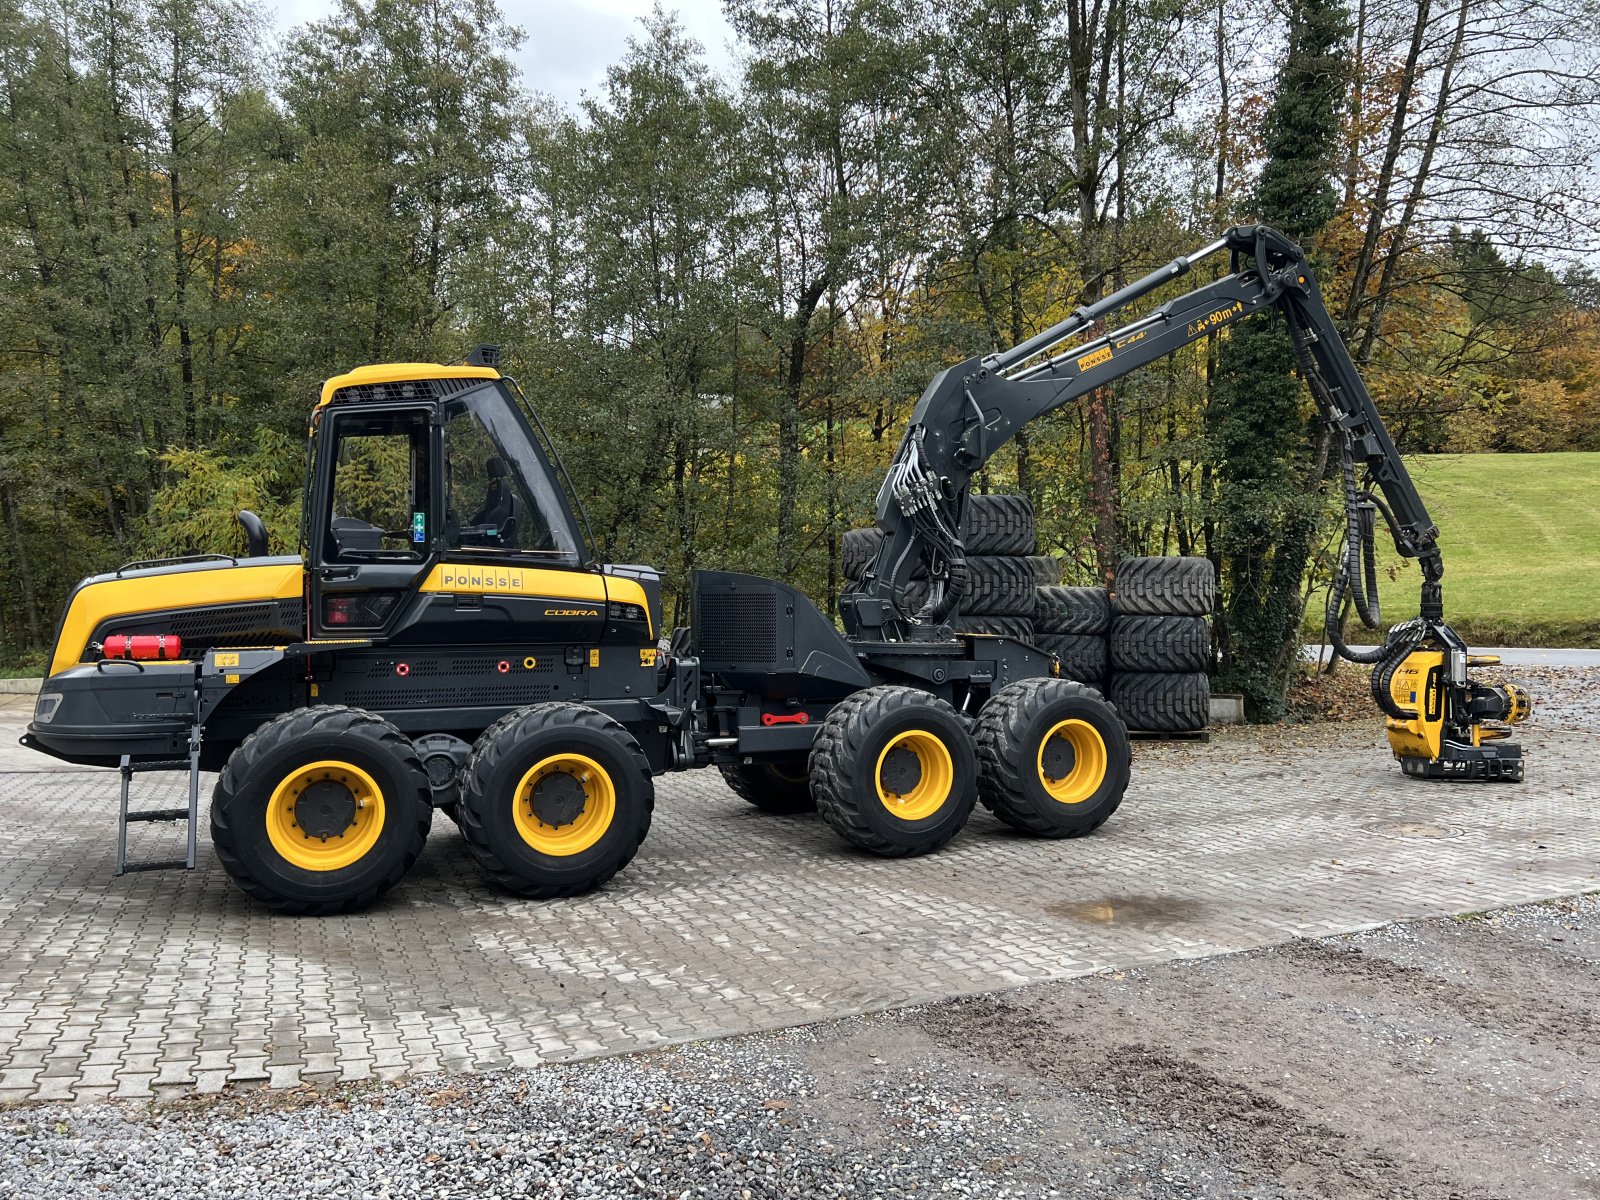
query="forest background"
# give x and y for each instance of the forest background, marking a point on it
(724, 294)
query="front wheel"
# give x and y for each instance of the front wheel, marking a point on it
(556, 800)
(321, 810)
(1054, 758)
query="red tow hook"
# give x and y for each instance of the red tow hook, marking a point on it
(798, 718)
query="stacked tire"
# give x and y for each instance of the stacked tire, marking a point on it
(1159, 646)
(1002, 570)
(1072, 623)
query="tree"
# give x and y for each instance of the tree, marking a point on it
(1268, 472)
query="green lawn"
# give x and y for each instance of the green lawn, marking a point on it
(1521, 541)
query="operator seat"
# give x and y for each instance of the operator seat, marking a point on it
(500, 504)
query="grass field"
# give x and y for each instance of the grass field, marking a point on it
(1521, 541)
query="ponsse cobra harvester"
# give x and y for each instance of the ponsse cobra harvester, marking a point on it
(444, 640)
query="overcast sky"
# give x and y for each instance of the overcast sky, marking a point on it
(570, 43)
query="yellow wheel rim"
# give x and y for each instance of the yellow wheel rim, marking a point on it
(547, 793)
(325, 816)
(795, 774)
(1072, 779)
(915, 790)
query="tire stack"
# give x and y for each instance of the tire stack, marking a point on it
(1159, 648)
(1002, 570)
(1072, 623)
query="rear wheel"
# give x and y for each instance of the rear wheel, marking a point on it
(321, 810)
(782, 787)
(893, 771)
(1053, 758)
(556, 800)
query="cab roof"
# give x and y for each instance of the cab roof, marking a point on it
(401, 373)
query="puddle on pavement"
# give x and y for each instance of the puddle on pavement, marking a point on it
(1129, 910)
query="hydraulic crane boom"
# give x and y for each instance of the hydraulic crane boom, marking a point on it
(972, 409)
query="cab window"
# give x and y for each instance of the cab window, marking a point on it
(380, 488)
(492, 503)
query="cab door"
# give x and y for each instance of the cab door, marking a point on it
(372, 539)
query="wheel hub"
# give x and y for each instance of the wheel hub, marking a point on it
(902, 771)
(326, 809)
(558, 799)
(1057, 759)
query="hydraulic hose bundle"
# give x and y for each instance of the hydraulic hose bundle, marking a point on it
(1355, 579)
(916, 488)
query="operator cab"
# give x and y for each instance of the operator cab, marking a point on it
(434, 510)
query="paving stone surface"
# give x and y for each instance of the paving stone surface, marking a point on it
(730, 920)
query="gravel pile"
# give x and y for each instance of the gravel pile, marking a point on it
(1185, 1080)
(722, 1119)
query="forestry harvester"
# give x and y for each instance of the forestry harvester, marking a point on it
(444, 640)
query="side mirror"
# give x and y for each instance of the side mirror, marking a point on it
(255, 534)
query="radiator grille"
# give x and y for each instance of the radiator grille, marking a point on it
(261, 623)
(738, 628)
(447, 695)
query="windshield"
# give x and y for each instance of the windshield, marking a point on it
(501, 496)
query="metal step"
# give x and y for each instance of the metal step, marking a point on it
(191, 815)
(160, 864)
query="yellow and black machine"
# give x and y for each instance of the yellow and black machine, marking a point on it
(445, 640)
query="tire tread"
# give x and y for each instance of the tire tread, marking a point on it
(291, 727)
(493, 744)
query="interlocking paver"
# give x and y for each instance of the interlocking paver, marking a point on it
(731, 919)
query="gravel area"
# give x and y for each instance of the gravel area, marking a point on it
(1447, 1059)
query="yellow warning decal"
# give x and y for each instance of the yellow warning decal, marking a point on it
(647, 658)
(594, 658)
(1216, 319)
(227, 660)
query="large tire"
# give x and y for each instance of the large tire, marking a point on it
(1053, 758)
(999, 525)
(783, 788)
(592, 781)
(1018, 628)
(1046, 570)
(1082, 655)
(858, 550)
(1171, 644)
(998, 587)
(1164, 587)
(337, 853)
(894, 771)
(1162, 703)
(1071, 610)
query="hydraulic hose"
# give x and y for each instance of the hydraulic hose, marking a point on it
(1360, 557)
(1356, 575)
(1402, 640)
